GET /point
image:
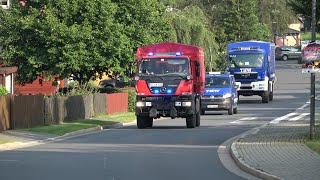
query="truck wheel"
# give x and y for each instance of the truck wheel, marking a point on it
(284, 57)
(198, 119)
(271, 96)
(235, 110)
(230, 111)
(149, 122)
(202, 112)
(141, 122)
(265, 97)
(191, 121)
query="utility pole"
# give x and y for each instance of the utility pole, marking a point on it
(312, 90)
(210, 59)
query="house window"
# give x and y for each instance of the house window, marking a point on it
(5, 4)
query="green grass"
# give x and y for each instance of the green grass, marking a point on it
(315, 144)
(308, 36)
(5, 141)
(61, 129)
(120, 117)
(101, 120)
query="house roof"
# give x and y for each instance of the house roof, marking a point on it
(8, 70)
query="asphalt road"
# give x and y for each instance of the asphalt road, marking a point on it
(167, 151)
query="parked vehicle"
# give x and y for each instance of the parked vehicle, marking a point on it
(220, 93)
(253, 65)
(170, 78)
(287, 52)
(116, 83)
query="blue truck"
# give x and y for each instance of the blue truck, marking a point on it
(253, 65)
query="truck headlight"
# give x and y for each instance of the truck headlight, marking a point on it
(227, 95)
(186, 103)
(177, 103)
(139, 104)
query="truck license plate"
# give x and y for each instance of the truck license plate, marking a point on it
(212, 106)
(155, 84)
(245, 85)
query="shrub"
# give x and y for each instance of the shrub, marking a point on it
(131, 99)
(3, 90)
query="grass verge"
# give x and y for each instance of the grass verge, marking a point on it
(315, 144)
(119, 117)
(5, 141)
(308, 36)
(101, 120)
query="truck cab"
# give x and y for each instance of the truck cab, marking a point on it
(220, 93)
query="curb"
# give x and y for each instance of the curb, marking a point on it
(241, 162)
(17, 145)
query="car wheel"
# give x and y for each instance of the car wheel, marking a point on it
(230, 111)
(235, 110)
(284, 57)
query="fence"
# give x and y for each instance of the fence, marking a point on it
(28, 111)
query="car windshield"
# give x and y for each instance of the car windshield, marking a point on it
(246, 60)
(217, 82)
(164, 66)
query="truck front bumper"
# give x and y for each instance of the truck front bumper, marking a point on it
(165, 106)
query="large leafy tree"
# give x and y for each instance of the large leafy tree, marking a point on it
(79, 37)
(240, 21)
(191, 26)
(304, 9)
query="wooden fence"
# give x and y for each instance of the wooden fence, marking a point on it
(26, 111)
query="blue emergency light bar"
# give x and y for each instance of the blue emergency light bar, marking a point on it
(165, 54)
(245, 48)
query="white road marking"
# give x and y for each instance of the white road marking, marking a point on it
(277, 120)
(243, 119)
(299, 117)
(304, 106)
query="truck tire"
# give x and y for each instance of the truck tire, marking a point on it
(149, 122)
(198, 119)
(202, 112)
(141, 122)
(265, 97)
(191, 121)
(271, 96)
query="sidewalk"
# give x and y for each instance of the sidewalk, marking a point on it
(23, 139)
(277, 151)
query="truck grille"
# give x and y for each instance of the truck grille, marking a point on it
(246, 76)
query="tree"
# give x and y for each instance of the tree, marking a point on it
(304, 9)
(191, 26)
(78, 39)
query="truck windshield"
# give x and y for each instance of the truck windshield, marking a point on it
(217, 82)
(164, 66)
(246, 60)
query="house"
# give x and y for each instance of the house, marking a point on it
(292, 37)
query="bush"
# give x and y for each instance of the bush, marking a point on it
(3, 90)
(131, 100)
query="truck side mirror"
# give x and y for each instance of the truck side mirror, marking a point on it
(197, 68)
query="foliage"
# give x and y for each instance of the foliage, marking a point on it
(304, 9)
(241, 22)
(131, 100)
(78, 38)
(308, 36)
(276, 15)
(191, 26)
(3, 90)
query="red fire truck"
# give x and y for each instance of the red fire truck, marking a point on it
(169, 80)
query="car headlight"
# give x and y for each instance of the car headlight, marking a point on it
(227, 95)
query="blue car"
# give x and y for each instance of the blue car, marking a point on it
(220, 93)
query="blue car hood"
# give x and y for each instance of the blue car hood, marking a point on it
(216, 91)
